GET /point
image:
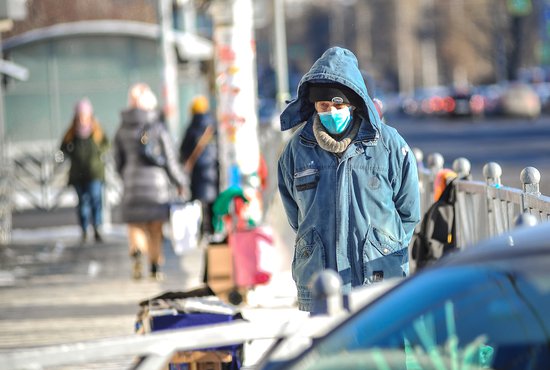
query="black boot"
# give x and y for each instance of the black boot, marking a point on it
(97, 235)
(155, 272)
(137, 266)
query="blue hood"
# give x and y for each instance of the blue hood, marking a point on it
(335, 65)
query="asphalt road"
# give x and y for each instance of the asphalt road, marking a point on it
(511, 142)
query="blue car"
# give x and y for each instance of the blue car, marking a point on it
(486, 307)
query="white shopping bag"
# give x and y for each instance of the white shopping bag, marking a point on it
(185, 226)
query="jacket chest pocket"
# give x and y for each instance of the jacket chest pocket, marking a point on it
(306, 179)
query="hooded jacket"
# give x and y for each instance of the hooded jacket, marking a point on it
(355, 212)
(148, 189)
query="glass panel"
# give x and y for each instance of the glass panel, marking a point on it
(64, 70)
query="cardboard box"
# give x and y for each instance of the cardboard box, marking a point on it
(220, 270)
(202, 360)
(202, 356)
(197, 366)
(209, 366)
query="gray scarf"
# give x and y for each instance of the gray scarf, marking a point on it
(329, 143)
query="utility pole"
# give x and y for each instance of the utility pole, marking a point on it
(170, 92)
(518, 10)
(500, 26)
(236, 93)
(545, 32)
(427, 45)
(363, 24)
(405, 60)
(280, 54)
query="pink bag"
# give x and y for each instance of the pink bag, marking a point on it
(252, 256)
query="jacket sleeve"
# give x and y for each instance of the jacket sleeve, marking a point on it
(104, 145)
(285, 185)
(63, 148)
(406, 192)
(64, 144)
(119, 156)
(187, 145)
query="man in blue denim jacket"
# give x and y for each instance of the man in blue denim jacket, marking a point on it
(348, 182)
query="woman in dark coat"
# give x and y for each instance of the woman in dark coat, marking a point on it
(199, 155)
(85, 144)
(148, 188)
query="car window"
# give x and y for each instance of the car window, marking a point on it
(478, 317)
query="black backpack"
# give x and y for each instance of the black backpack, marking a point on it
(436, 236)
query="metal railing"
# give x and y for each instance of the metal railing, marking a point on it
(152, 351)
(37, 179)
(40, 180)
(484, 208)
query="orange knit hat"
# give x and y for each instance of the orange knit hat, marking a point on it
(199, 105)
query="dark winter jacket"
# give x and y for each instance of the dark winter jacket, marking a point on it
(148, 189)
(204, 176)
(86, 155)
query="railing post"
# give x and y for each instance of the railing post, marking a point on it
(462, 167)
(525, 219)
(435, 163)
(530, 180)
(492, 172)
(326, 288)
(419, 155)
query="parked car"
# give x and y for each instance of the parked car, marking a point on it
(543, 91)
(464, 102)
(521, 100)
(485, 307)
(426, 102)
(492, 99)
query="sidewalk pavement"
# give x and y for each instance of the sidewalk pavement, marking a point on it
(56, 290)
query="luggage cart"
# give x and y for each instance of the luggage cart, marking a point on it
(249, 247)
(174, 310)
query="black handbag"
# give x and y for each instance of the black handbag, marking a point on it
(150, 147)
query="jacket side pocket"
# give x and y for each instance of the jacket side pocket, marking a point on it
(309, 258)
(383, 257)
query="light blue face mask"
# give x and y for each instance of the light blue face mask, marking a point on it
(337, 121)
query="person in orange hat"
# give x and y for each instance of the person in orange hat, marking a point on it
(199, 156)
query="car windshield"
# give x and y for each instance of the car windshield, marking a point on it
(488, 316)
